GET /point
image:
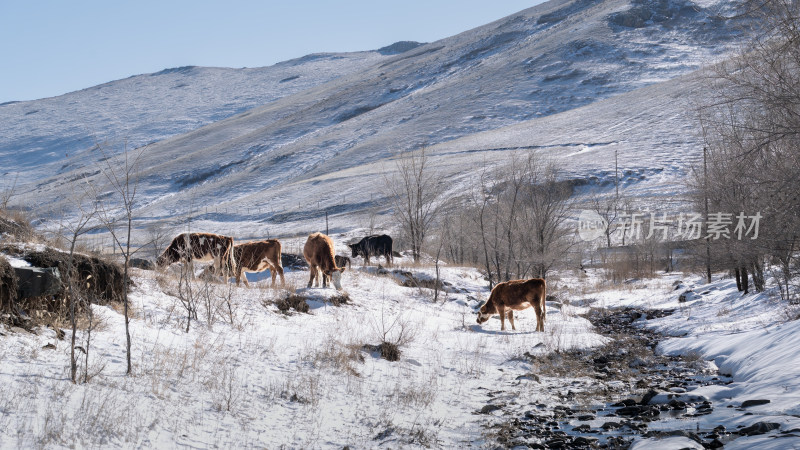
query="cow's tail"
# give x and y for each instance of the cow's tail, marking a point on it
(230, 258)
(279, 263)
(544, 300)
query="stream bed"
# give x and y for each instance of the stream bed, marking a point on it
(609, 395)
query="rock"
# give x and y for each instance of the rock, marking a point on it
(611, 426)
(638, 410)
(141, 263)
(676, 404)
(635, 426)
(584, 441)
(749, 403)
(626, 402)
(759, 428)
(586, 417)
(648, 396)
(663, 434)
(716, 443)
(584, 428)
(638, 362)
(489, 408)
(37, 281)
(530, 376)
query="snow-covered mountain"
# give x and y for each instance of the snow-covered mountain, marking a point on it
(270, 150)
(47, 136)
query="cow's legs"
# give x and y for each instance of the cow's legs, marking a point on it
(502, 311)
(537, 306)
(240, 274)
(273, 274)
(279, 269)
(312, 274)
(511, 319)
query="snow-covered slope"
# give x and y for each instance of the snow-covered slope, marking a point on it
(572, 77)
(41, 137)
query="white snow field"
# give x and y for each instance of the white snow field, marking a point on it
(252, 376)
(265, 379)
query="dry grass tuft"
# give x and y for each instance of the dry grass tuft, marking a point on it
(292, 301)
(339, 299)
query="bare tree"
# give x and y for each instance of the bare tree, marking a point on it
(751, 126)
(545, 206)
(6, 193)
(482, 200)
(78, 222)
(414, 190)
(158, 238)
(121, 173)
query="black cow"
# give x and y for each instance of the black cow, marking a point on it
(378, 245)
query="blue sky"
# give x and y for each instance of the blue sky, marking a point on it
(49, 48)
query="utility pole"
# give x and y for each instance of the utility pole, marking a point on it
(705, 195)
(616, 173)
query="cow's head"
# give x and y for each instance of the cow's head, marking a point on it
(165, 259)
(353, 249)
(486, 312)
(336, 277)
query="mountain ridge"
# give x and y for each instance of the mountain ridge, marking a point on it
(542, 62)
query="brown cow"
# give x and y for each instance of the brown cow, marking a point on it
(516, 295)
(204, 247)
(256, 256)
(318, 251)
(342, 261)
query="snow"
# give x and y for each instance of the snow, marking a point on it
(753, 338)
(268, 379)
(14, 261)
(269, 151)
(668, 443)
(264, 378)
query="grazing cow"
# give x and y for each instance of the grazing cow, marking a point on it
(378, 245)
(342, 261)
(513, 296)
(204, 247)
(318, 251)
(256, 256)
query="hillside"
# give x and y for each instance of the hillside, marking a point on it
(545, 72)
(53, 135)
